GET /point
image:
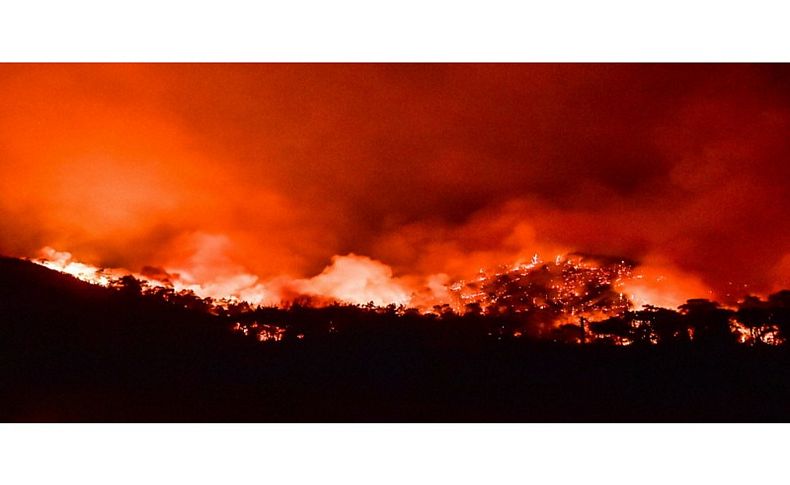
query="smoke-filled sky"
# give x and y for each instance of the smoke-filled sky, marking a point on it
(271, 170)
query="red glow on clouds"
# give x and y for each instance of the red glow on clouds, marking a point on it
(386, 183)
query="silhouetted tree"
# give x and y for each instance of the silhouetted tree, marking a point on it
(128, 286)
(444, 310)
(709, 322)
(665, 326)
(568, 333)
(614, 329)
(779, 312)
(754, 314)
(473, 308)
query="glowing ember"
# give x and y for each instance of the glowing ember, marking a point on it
(573, 299)
(567, 288)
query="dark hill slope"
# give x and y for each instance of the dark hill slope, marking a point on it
(76, 351)
(70, 351)
(39, 303)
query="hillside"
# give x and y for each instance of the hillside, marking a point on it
(76, 352)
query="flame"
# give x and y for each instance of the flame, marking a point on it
(348, 279)
(569, 288)
(242, 287)
(664, 286)
(63, 261)
(575, 286)
(562, 293)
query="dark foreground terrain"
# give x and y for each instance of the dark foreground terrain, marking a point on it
(70, 351)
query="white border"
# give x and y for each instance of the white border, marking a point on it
(392, 454)
(406, 30)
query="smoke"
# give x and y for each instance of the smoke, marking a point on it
(355, 279)
(660, 284)
(348, 279)
(257, 179)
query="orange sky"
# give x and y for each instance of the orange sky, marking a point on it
(275, 169)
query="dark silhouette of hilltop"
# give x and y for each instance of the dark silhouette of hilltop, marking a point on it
(72, 351)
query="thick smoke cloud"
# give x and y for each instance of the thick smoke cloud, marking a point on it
(229, 171)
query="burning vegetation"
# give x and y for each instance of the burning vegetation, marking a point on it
(576, 299)
(566, 289)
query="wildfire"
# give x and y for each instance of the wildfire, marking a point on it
(569, 287)
(263, 332)
(348, 279)
(62, 261)
(563, 299)
(222, 293)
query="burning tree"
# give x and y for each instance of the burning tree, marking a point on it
(550, 294)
